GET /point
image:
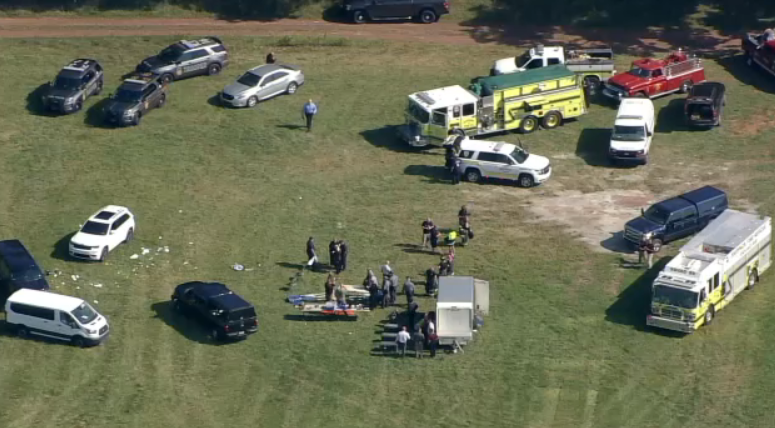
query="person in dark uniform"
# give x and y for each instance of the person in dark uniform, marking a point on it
(332, 253)
(434, 238)
(457, 174)
(464, 217)
(344, 251)
(431, 281)
(337, 258)
(393, 289)
(449, 159)
(311, 255)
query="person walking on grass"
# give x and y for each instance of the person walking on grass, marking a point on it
(431, 281)
(402, 338)
(650, 253)
(329, 287)
(457, 170)
(409, 291)
(311, 255)
(344, 251)
(309, 111)
(427, 226)
(434, 239)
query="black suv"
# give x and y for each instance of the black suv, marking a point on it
(228, 315)
(18, 269)
(77, 81)
(425, 11)
(187, 58)
(135, 97)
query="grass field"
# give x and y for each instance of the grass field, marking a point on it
(564, 345)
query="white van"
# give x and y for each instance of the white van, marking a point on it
(32, 312)
(633, 129)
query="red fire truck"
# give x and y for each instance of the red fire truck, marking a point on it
(652, 78)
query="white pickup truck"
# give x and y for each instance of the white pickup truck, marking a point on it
(596, 65)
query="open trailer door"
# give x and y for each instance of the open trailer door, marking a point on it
(482, 296)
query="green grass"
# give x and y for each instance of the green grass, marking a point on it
(563, 346)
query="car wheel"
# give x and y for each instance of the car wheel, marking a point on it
(162, 100)
(753, 277)
(167, 78)
(526, 181)
(427, 16)
(472, 176)
(78, 105)
(359, 17)
(129, 235)
(551, 120)
(78, 341)
(22, 332)
(136, 120)
(528, 125)
(104, 254)
(292, 88)
(252, 101)
(657, 244)
(686, 86)
(709, 314)
(98, 89)
(213, 69)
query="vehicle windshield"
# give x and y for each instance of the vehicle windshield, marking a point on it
(522, 59)
(519, 155)
(85, 313)
(67, 83)
(418, 113)
(666, 295)
(249, 79)
(170, 53)
(28, 275)
(640, 72)
(628, 133)
(656, 215)
(94, 228)
(128, 96)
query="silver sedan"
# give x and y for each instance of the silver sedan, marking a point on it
(261, 83)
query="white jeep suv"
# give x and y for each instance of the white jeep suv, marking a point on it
(489, 159)
(102, 232)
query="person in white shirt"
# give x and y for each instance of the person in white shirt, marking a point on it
(402, 338)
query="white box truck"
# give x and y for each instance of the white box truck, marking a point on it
(728, 256)
(460, 299)
(633, 130)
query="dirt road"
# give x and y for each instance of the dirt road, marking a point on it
(640, 41)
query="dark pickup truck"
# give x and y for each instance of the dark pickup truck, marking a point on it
(425, 11)
(677, 217)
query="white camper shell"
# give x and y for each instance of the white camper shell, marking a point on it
(41, 313)
(633, 130)
(460, 299)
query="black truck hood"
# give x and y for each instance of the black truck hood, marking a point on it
(643, 225)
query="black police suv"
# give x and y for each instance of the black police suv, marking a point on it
(227, 315)
(136, 96)
(76, 82)
(425, 11)
(186, 58)
(18, 269)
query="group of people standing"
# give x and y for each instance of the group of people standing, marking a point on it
(423, 336)
(387, 294)
(338, 250)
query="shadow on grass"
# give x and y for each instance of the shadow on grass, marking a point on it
(215, 101)
(748, 75)
(633, 303)
(61, 249)
(35, 105)
(617, 244)
(327, 318)
(592, 146)
(435, 174)
(387, 137)
(95, 115)
(187, 327)
(671, 117)
(414, 249)
(292, 127)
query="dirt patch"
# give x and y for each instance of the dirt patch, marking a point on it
(596, 219)
(750, 128)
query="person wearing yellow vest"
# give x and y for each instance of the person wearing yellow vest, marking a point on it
(451, 238)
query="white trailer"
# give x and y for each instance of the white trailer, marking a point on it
(728, 256)
(460, 299)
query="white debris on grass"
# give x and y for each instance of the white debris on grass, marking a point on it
(98, 285)
(238, 267)
(166, 249)
(185, 262)
(134, 257)
(74, 277)
(160, 238)
(180, 211)
(190, 243)
(95, 302)
(145, 251)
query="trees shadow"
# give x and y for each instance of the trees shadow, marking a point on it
(592, 146)
(61, 250)
(671, 117)
(387, 137)
(435, 174)
(95, 115)
(187, 327)
(35, 105)
(752, 76)
(633, 303)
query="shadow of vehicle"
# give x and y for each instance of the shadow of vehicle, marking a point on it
(632, 304)
(215, 101)
(61, 249)
(35, 104)
(671, 117)
(592, 146)
(617, 244)
(95, 115)
(335, 13)
(748, 75)
(435, 174)
(387, 137)
(189, 328)
(327, 318)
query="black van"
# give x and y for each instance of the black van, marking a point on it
(677, 217)
(705, 104)
(18, 269)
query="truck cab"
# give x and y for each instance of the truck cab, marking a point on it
(677, 217)
(432, 115)
(633, 131)
(651, 78)
(760, 50)
(537, 57)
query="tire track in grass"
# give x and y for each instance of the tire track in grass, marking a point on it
(543, 407)
(590, 403)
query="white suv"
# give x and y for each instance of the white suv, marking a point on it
(102, 232)
(489, 159)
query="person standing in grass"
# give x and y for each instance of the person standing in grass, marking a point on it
(402, 338)
(409, 291)
(427, 225)
(311, 255)
(309, 111)
(270, 58)
(329, 286)
(418, 340)
(431, 281)
(434, 239)
(344, 251)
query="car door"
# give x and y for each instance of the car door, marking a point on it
(193, 62)
(280, 82)
(266, 87)
(89, 83)
(118, 231)
(492, 164)
(64, 326)
(681, 223)
(151, 96)
(658, 83)
(390, 8)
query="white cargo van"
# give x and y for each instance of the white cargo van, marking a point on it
(633, 130)
(41, 313)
